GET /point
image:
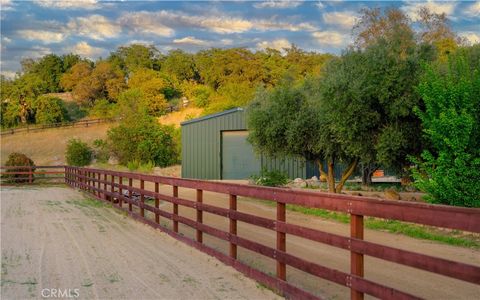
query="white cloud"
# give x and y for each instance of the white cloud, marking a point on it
(35, 52)
(265, 25)
(8, 74)
(473, 10)
(84, 49)
(69, 4)
(278, 4)
(161, 23)
(411, 8)
(472, 37)
(6, 5)
(190, 40)
(44, 36)
(95, 26)
(6, 39)
(278, 44)
(331, 38)
(145, 22)
(344, 19)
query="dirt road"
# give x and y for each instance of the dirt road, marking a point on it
(52, 238)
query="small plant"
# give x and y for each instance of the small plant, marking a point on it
(133, 165)
(18, 159)
(270, 178)
(136, 165)
(78, 153)
(101, 150)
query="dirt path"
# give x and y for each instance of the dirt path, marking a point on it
(52, 238)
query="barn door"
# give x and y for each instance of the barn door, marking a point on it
(238, 158)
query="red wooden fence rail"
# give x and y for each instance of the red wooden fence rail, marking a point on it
(466, 219)
(9, 174)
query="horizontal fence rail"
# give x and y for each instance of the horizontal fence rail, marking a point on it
(31, 174)
(118, 188)
(80, 123)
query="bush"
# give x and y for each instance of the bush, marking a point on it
(270, 178)
(145, 141)
(50, 110)
(101, 152)
(136, 165)
(103, 109)
(78, 153)
(449, 172)
(18, 159)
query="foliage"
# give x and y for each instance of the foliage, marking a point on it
(152, 87)
(136, 165)
(270, 178)
(50, 110)
(139, 136)
(18, 159)
(135, 56)
(78, 153)
(450, 171)
(103, 109)
(101, 152)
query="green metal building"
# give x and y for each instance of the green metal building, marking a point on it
(216, 147)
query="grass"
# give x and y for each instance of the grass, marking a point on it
(374, 187)
(47, 147)
(449, 237)
(392, 226)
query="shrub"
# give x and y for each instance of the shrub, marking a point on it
(136, 165)
(449, 172)
(270, 178)
(78, 153)
(18, 159)
(101, 152)
(145, 141)
(103, 109)
(50, 110)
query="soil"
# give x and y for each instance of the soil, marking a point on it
(53, 237)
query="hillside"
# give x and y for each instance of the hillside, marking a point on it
(47, 147)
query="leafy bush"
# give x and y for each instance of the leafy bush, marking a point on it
(450, 172)
(103, 109)
(18, 159)
(270, 178)
(101, 152)
(139, 136)
(50, 110)
(78, 153)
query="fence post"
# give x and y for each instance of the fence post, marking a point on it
(120, 191)
(199, 215)
(130, 184)
(175, 209)
(157, 204)
(30, 174)
(105, 186)
(356, 259)
(142, 198)
(233, 226)
(281, 241)
(112, 188)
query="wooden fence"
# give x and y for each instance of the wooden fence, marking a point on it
(31, 174)
(119, 188)
(81, 123)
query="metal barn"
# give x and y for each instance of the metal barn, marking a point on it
(216, 147)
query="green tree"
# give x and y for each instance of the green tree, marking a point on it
(78, 153)
(50, 110)
(450, 171)
(135, 56)
(181, 65)
(153, 87)
(139, 137)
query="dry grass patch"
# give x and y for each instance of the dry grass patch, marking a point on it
(177, 117)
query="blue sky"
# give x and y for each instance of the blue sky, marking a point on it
(94, 28)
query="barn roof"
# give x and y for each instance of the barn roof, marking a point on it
(226, 112)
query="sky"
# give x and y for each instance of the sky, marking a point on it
(93, 28)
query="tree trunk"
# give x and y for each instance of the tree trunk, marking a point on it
(367, 173)
(320, 168)
(346, 174)
(331, 176)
